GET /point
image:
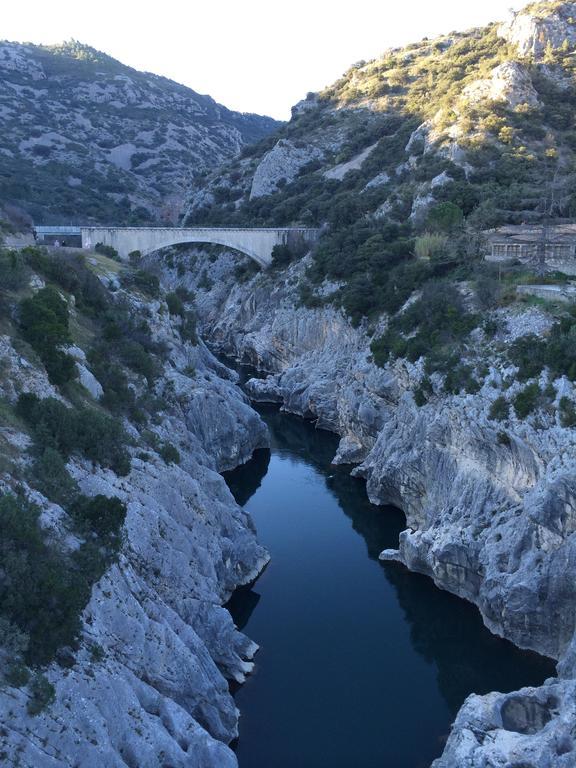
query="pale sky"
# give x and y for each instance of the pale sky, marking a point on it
(250, 55)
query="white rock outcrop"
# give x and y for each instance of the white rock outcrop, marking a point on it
(281, 164)
(339, 171)
(510, 82)
(149, 685)
(531, 32)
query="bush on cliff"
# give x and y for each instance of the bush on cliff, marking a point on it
(50, 477)
(500, 409)
(106, 250)
(102, 515)
(144, 281)
(14, 273)
(558, 352)
(526, 400)
(431, 326)
(44, 325)
(86, 431)
(175, 304)
(567, 412)
(40, 591)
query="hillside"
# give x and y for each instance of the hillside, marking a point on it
(474, 127)
(84, 138)
(119, 539)
(451, 388)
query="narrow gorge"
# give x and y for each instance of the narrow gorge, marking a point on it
(311, 508)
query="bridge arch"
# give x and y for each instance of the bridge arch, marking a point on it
(257, 243)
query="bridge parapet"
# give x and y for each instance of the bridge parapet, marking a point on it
(257, 243)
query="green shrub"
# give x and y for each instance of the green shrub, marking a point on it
(432, 324)
(175, 304)
(143, 281)
(70, 272)
(500, 409)
(101, 514)
(106, 250)
(423, 391)
(185, 295)
(488, 292)
(13, 645)
(445, 217)
(51, 477)
(139, 359)
(17, 675)
(188, 329)
(246, 271)
(101, 439)
(490, 328)
(567, 412)
(14, 273)
(526, 400)
(44, 325)
(430, 245)
(282, 256)
(170, 453)
(60, 367)
(97, 653)
(118, 397)
(205, 282)
(86, 431)
(503, 438)
(529, 354)
(558, 351)
(461, 377)
(39, 592)
(42, 694)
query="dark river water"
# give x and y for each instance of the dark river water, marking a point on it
(362, 664)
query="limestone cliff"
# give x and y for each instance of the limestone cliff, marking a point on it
(491, 521)
(149, 684)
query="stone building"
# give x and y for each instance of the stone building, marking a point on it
(524, 243)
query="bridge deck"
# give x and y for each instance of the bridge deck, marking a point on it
(256, 242)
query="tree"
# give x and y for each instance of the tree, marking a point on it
(445, 217)
(44, 325)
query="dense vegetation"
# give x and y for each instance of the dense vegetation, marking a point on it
(44, 584)
(511, 163)
(44, 324)
(403, 233)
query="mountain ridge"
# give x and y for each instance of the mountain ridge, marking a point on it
(86, 135)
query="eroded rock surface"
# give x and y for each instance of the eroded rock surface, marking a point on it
(492, 521)
(532, 32)
(280, 166)
(149, 686)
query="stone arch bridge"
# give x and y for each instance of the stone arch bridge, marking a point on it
(254, 242)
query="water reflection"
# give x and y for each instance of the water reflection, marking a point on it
(245, 481)
(449, 632)
(354, 652)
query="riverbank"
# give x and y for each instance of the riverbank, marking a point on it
(488, 520)
(352, 651)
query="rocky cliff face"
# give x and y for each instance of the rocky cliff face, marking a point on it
(149, 685)
(493, 103)
(541, 26)
(491, 521)
(85, 138)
